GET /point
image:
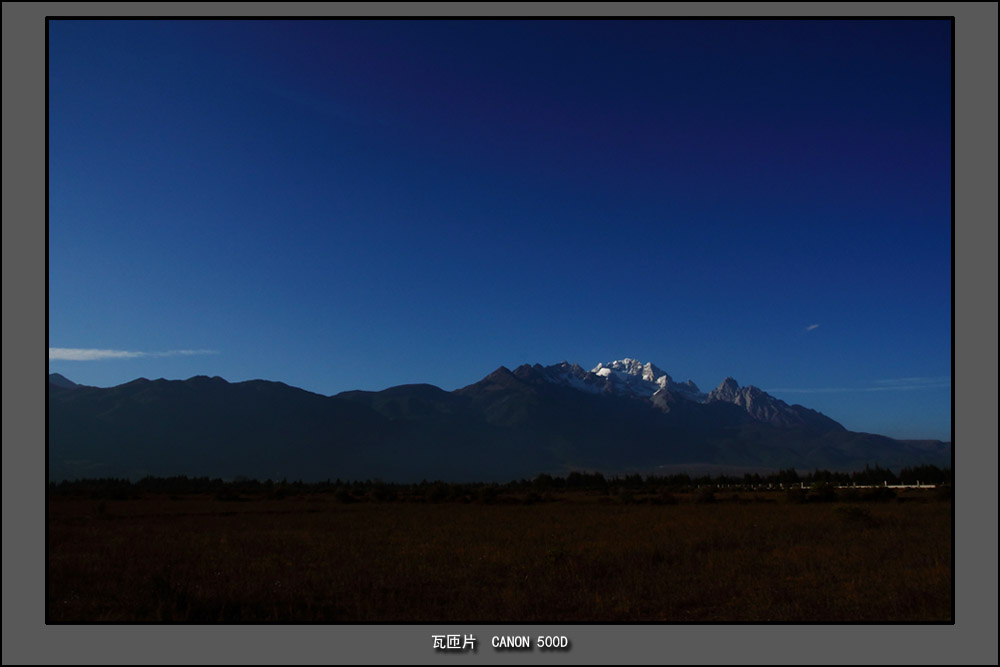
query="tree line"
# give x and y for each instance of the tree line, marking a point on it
(347, 491)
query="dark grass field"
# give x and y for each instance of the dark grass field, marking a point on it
(566, 557)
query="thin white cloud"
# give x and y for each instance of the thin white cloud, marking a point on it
(812, 390)
(812, 326)
(77, 354)
(912, 383)
(915, 381)
(182, 353)
(900, 384)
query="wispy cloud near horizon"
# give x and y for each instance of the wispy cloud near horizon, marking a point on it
(912, 383)
(77, 354)
(811, 327)
(896, 384)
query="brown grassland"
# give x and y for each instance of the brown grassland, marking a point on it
(568, 557)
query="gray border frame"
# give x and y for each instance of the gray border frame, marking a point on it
(971, 640)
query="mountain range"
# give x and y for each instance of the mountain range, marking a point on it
(621, 417)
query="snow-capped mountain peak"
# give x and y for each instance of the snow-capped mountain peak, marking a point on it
(634, 378)
(631, 377)
(647, 371)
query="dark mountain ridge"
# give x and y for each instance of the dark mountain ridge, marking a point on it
(511, 424)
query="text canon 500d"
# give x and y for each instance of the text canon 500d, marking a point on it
(523, 642)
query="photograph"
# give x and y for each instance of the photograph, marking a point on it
(533, 320)
(548, 333)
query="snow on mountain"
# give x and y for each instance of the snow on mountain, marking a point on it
(647, 372)
(632, 377)
(626, 377)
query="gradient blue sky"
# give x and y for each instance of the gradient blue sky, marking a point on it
(355, 205)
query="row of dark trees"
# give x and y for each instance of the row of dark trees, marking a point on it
(925, 474)
(576, 481)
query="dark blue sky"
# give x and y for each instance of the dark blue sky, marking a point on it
(354, 205)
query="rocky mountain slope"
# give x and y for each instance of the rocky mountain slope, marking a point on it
(619, 417)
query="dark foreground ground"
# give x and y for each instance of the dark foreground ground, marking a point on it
(562, 557)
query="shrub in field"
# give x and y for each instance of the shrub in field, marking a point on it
(532, 498)
(279, 492)
(487, 494)
(705, 495)
(823, 492)
(438, 492)
(228, 495)
(556, 554)
(626, 496)
(796, 495)
(664, 497)
(880, 494)
(383, 493)
(848, 495)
